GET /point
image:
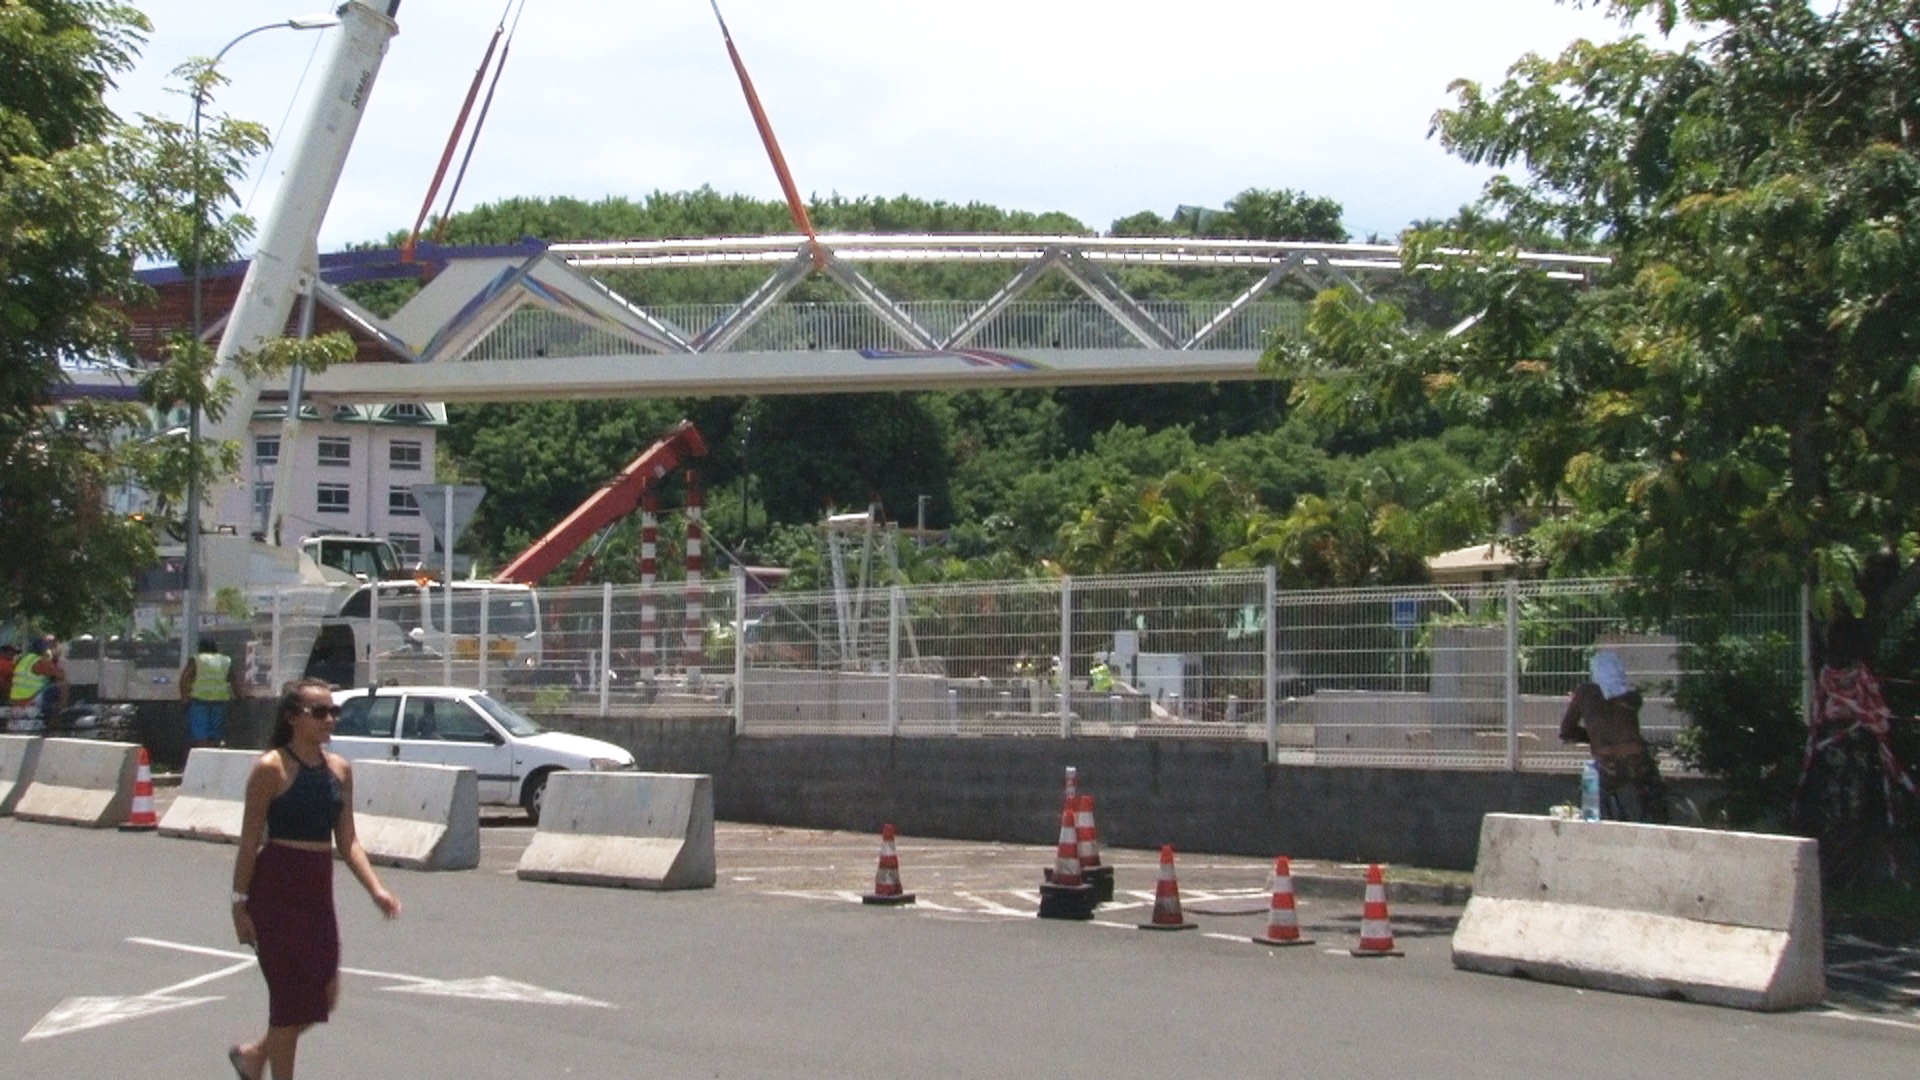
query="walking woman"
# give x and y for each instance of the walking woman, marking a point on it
(299, 797)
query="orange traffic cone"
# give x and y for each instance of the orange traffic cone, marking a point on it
(1064, 895)
(141, 817)
(1283, 923)
(1166, 898)
(1087, 836)
(1072, 791)
(886, 880)
(1376, 931)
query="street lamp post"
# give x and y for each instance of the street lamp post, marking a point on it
(190, 605)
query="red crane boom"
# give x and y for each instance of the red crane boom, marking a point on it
(616, 499)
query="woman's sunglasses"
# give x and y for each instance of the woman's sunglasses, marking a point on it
(321, 711)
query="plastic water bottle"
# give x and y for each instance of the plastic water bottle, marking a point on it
(1590, 792)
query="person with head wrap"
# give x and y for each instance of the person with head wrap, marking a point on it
(1604, 713)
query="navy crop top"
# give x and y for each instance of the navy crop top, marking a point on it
(308, 808)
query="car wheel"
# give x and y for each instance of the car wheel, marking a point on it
(535, 795)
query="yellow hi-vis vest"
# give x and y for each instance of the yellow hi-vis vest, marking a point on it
(26, 684)
(210, 677)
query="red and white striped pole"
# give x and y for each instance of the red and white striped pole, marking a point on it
(696, 621)
(649, 573)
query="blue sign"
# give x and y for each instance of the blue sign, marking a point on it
(1406, 613)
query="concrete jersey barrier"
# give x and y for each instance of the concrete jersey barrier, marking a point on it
(422, 817)
(81, 782)
(632, 830)
(212, 795)
(18, 754)
(1722, 918)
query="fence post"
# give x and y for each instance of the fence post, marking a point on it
(1806, 651)
(896, 602)
(273, 668)
(1065, 667)
(1270, 662)
(739, 650)
(486, 639)
(373, 633)
(1513, 674)
(606, 646)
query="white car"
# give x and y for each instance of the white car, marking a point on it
(451, 725)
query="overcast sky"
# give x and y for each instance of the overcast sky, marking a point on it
(1099, 108)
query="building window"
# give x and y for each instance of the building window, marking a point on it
(266, 450)
(334, 499)
(400, 502)
(262, 500)
(405, 454)
(406, 410)
(335, 451)
(406, 545)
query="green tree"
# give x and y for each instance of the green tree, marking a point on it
(66, 255)
(1732, 401)
(83, 197)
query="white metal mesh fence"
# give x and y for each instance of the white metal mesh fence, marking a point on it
(1470, 676)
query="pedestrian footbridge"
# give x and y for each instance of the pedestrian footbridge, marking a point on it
(537, 320)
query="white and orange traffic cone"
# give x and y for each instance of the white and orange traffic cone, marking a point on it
(1283, 922)
(1166, 898)
(1064, 895)
(1087, 836)
(1376, 929)
(141, 818)
(1071, 793)
(886, 880)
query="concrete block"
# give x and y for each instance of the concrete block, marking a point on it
(81, 782)
(632, 830)
(422, 817)
(212, 796)
(1722, 918)
(18, 755)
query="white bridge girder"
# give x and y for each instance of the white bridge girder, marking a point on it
(660, 360)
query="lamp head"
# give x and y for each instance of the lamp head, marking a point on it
(313, 22)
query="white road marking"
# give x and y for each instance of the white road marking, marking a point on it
(494, 988)
(1869, 1019)
(83, 1013)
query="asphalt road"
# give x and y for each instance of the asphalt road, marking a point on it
(120, 962)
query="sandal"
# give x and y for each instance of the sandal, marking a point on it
(238, 1060)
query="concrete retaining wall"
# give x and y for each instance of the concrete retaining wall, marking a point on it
(18, 753)
(1721, 918)
(81, 782)
(422, 817)
(634, 830)
(1203, 795)
(212, 796)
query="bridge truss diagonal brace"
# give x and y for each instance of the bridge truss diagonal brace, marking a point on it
(727, 329)
(1328, 270)
(890, 313)
(1136, 320)
(1011, 291)
(1254, 292)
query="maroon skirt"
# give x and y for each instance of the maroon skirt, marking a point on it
(291, 903)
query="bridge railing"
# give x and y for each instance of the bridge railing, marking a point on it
(1028, 324)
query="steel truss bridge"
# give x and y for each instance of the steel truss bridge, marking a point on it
(533, 321)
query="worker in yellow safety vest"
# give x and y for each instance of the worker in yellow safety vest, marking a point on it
(39, 688)
(207, 684)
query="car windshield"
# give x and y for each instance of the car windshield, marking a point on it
(504, 715)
